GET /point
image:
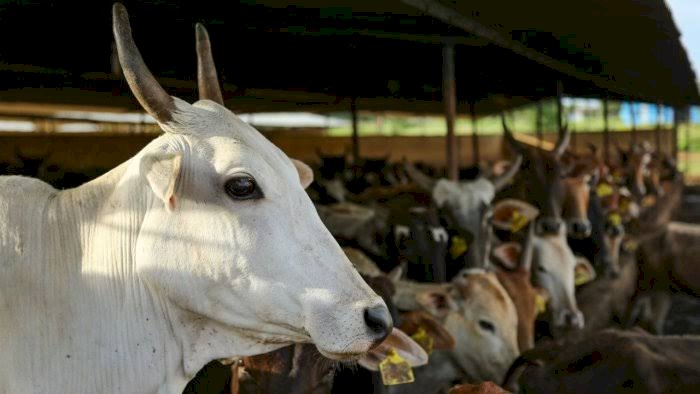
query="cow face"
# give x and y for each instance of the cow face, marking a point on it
(486, 327)
(554, 268)
(542, 177)
(577, 189)
(513, 271)
(230, 242)
(466, 203)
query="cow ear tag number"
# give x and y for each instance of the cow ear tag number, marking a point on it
(423, 340)
(395, 370)
(517, 221)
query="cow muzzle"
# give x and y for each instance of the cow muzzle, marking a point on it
(579, 228)
(571, 319)
(548, 225)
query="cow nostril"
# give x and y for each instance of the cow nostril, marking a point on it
(379, 321)
(581, 229)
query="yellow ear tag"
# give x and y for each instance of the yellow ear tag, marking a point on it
(581, 277)
(395, 370)
(615, 219)
(540, 303)
(517, 221)
(630, 245)
(423, 339)
(625, 206)
(458, 247)
(604, 190)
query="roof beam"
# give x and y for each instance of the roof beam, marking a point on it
(450, 16)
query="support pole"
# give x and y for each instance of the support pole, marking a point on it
(540, 137)
(560, 115)
(633, 114)
(686, 123)
(449, 98)
(606, 131)
(657, 131)
(355, 133)
(475, 137)
(674, 144)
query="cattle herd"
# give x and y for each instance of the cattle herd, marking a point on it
(212, 262)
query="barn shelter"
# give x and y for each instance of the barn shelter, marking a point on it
(399, 55)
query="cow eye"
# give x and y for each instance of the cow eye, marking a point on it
(487, 326)
(243, 187)
(541, 268)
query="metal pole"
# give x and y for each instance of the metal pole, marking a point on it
(475, 136)
(355, 133)
(606, 131)
(449, 98)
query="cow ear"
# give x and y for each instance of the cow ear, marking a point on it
(438, 303)
(512, 215)
(395, 274)
(507, 255)
(584, 271)
(442, 339)
(162, 172)
(306, 174)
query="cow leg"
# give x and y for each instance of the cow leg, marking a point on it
(639, 310)
(660, 303)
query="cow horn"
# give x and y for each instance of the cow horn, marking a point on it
(516, 369)
(515, 144)
(419, 177)
(563, 142)
(207, 80)
(153, 98)
(526, 252)
(502, 180)
(487, 232)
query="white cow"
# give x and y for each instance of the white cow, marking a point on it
(202, 246)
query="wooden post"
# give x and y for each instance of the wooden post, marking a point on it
(657, 131)
(686, 122)
(355, 133)
(606, 131)
(674, 135)
(475, 136)
(633, 115)
(540, 137)
(449, 98)
(560, 119)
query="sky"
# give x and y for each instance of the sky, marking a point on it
(686, 13)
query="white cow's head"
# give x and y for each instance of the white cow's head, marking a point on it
(465, 203)
(230, 235)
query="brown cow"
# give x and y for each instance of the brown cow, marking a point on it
(610, 361)
(476, 310)
(512, 267)
(540, 181)
(667, 260)
(481, 388)
(605, 301)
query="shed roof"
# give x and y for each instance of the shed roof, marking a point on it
(316, 55)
